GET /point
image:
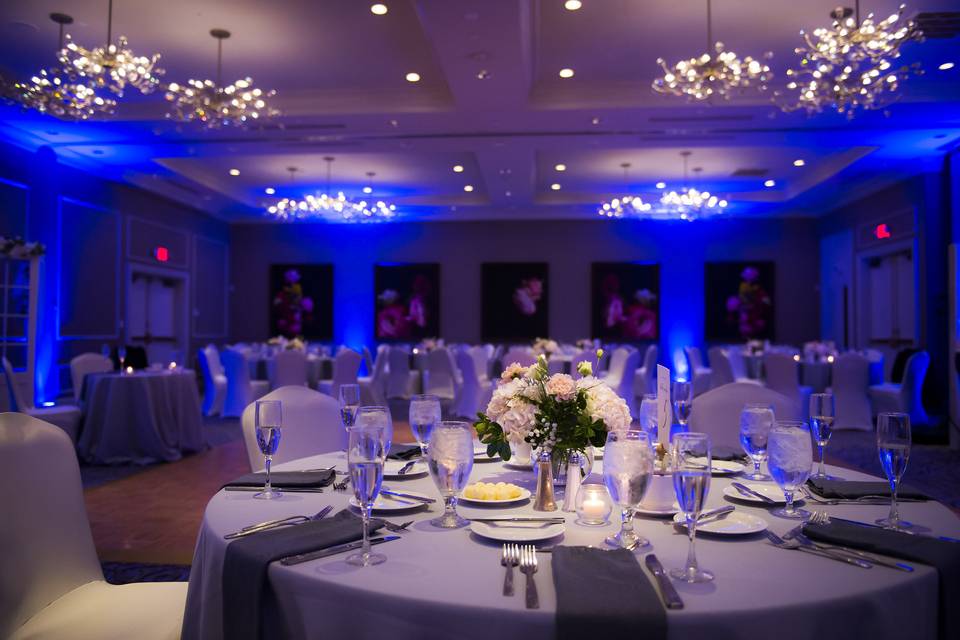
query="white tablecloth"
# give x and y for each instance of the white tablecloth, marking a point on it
(447, 583)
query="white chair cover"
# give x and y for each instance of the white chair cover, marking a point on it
(86, 363)
(720, 363)
(620, 378)
(288, 367)
(851, 381)
(521, 355)
(617, 362)
(717, 412)
(441, 378)
(906, 397)
(214, 381)
(783, 376)
(65, 416)
(346, 366)
(481, 361)
(373, 387)
(311, 425)
(475, 393)
(701, 377)
(51, 584)
(646, 379)
(401, 382)
(241, 390)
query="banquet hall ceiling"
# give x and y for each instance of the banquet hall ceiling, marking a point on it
(490, 99)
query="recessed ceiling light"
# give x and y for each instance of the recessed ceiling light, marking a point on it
(413, 76)
(595, 120)
(946, 66)
(269, 191)
(483, 74)
(769, 183)
(458, 168)
(661, 185)
(234, 172)
(561, 167)
(566, 73)
(799, 162)
(555, 186)
(378, 9)
(468, 188)
(572, 5)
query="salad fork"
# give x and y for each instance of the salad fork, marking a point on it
(509, 558)
(528, 566)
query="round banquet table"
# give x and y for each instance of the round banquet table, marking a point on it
(440, 583)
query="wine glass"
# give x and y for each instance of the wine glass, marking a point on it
(349, 403)
(755, 423)
(682, 402)
(690, 462)
(450, 460)
(627, 467)
(122, 356)
(893, 445)
(424, 414)
(648, 416)
(366, 454)
(791, 456)
(377, 417)
(269, 424)
(821, 422)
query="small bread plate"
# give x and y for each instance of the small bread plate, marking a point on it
(524, 495)
(519, 465)
(480, 455)
(385, 503)
(657, 513)
(725, 468)
(517, 531)
(391, 469)
(735, 523)
(772, 491)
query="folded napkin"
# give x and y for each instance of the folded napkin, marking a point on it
(853, 489)
(403, 451)
(244, 580)
(286, 479)
(729, 454)
(604, 590)
(942, 555)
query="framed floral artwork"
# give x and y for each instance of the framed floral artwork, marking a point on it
(739, 301)
(301, 301)
(514, 301)
(625, 301)
(407, 302)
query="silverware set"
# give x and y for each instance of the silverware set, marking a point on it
(342, 485)
(796, 545)
(525, 557)
(877, 499)
(280, 522)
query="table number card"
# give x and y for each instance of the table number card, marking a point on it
(664, 411)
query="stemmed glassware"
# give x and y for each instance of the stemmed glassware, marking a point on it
(690, 462)
(893, 445)
(648, 416)
(269, 425)
(375, 416)
(450, 460)
(756, 420)
(791, 456)
(122, 357)
(627, 467)
(366, 454)
(821, 422)
(682, 402)
(349, 404)
(424, 414)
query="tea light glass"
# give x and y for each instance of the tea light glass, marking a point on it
(593, 505)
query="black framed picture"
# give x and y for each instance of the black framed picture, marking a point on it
(514, 301)
(407, 301)
(739, 301)
(625, 301)
(301, 301)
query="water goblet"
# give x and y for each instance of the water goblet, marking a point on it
(268, 422)
(821, 423)
(893, 445)
(627, 467)
(366, 454)
(424, 414)
(450, 460)
(690, 462)
(791, 456)
(375, 416)
(122, 356)
(756, 420)
(648, 416)
(349, 404)
(682, 402)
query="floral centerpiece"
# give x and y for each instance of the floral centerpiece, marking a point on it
(545, 347)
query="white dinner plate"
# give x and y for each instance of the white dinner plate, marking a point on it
(734, 523)
(517, 531)
(725, 468)
(772, 491)
(657, 513)
(518, 464)
(391, 468)
(386, 504)
(524, 495)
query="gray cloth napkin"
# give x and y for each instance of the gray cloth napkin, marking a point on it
(942, 555)
(604, 593)
(286, 479)
(244, 579)
(404, 451)
(852, 489)
(729, 454)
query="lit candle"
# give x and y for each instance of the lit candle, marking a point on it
(796, 357)
(593, 504)
(593, 508)
(129, 370)
(173, 365)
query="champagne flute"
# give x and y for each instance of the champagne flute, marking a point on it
(375, 416)
(756, 421)
(349, 404)
(791, 456)
(821, 421)
(269, 424)
(122, 357)
(424, 414)
(648, 416)
(627, 467)
(893, 445)
(690, 462)
(450, 460)
(682, 402)
(366, 454)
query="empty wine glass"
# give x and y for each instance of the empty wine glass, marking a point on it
(682, 401)
(269, 424)
(627, 467)
(648, 416)
(690, 462)
(366, 454)
(756, 421)
(791, 456)
(377, 417)
(424, 414)
(450, 460)
(821, 422)
(893, 445)
(122, 356)
(349, 404)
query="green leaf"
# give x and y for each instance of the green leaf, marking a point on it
(505, 452)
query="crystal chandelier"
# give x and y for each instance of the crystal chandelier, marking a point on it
(113, 66)
(850, 65)
(211, 103)
(707, 75)
(690, 203)
(624, 205)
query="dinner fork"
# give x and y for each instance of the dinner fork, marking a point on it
(275, 524)
(342, 485)
(797, 534)
(528, 566)
(509, 558)
(795, 545)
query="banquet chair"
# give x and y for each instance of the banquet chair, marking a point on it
(214, 380)
(618, 360)
(851, 381)
(346, 366)
(311, 425)
(51, 585)
(723, 371)
(717, 412)
(288, 367)
(442, 379)
(646, 378)
(899, 368)
(521, 355)
(700, 375)
(83, 364)
(475, 393)
(241, 390)
(401, 381)
(875, 359)
(373, 386)
(481, 361)
(906, 397)
(783, 376)
(65, 416)
(620, 378)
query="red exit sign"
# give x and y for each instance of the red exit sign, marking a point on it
(162, 254)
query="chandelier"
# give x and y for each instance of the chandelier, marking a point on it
(850, 65)
(617, 207)
(690, 203)
(720, 73)
(113, 66)
(211, 103)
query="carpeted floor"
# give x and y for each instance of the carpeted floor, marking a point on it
(128, 572)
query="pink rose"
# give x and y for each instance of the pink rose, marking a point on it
(561, 386)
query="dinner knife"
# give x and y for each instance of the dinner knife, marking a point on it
(744, 489)
(331, 551)
(400, 494)
(717, 513)
(671, 598)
